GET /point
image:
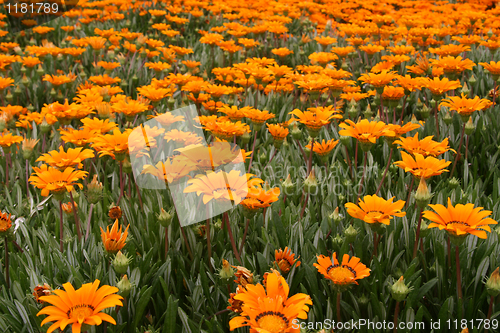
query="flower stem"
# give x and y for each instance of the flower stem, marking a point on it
(185, 239)
(396, 315)
(88, 221)
(459, 279)
(457, 156)
(27, 183)
(121, 183)
(409, 192)
(253, 151)
(490, 310)
(363, 176)
(385, 171)
(417, 234)
(338, 307)
(309, 164)
(166, 243)
(7, 277)
(230, 233)
(244, 235)
(61, 227)
(437, 120)
(349, 161)
(77, 220)
(7, 158)
(209, 245)
(304, 207)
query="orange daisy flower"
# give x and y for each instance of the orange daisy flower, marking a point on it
(51, 180)
(375, 210)
(343, 274)
(61, 159)
(465, 106)
(460, 220)
(425, 147)
(285, 260)
(421, 166)
(115, 239)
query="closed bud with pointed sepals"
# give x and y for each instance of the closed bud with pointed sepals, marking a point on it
(493, 283)
(121, 262)
(94, 191)
(350, 234)
(165, 218)
(400, 290)
(311, 183)
(469, 127)
(226, 273)
(124, 286)
(423, 195)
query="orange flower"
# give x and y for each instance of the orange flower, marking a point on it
(439, 86)
(278, 132)
(342, 274)
(59, 80)
(324, 149)
(461, 220)
(96, 42)
(114, 145)
(79, 138)
(465, 106)
(257, 117)
(452, 65)
(493, 68)
(30, 61)
(154, 94)
(109, 66)
(130, 107)
(211, 39)
(395, 131)
(285, 260)
(98, 125)
(314, 120)
(375, 210)
(103, 80)
(258, 198)
(378, 80)
(169, 171)
(71, 158)
(52, 180)
(422, 166)
(226, 130)
(5, 82)
(425, 147)
(222, 185)
(7, 140)
(392, 93)
(367, 132)
(115, 239)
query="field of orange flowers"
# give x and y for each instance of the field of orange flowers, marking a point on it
(250, 166)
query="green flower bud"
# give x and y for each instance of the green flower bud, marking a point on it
(422, 195)
(350, 234)
(493, 283)
(469, 127)
(288, 186)
(296, 132)
(124, 286)
(424, 229)
(453, 183)
(94, 191)
(121, 262)
(226, 272)
(363, 300)
(310, 184)
(425, 111)
(345, 140)
(368, 112)
(447, 118)
(165, 218)
(335, 218)
(337, 241)
(400, 290)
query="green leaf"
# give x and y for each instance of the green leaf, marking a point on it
(171, 315)
(141, 305)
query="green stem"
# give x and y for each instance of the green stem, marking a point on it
(457, 156)
(61, 227)
(7, 274)
(417, 234)
(77, 220)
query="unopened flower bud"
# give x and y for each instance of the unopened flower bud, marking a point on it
(423, 195)
(287, 185)
(425, 111)
(353, 111)
(337, 241)
(245, 138)
(121, 262)
(424, 229)
(45, 126)
(311, 183)
(345, 140)
(350, 234)
(335, 218)
(94, 191)
(465, 89)
(296, 132)
(226, 272)
(165, 217)
(469, 127)
(125, 286)
(454, 183)
(493, 283)
(447, 118)
(400, 290)
(368, 112)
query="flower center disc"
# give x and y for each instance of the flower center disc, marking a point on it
(341, 275)
(274, 322)
(81, 312)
